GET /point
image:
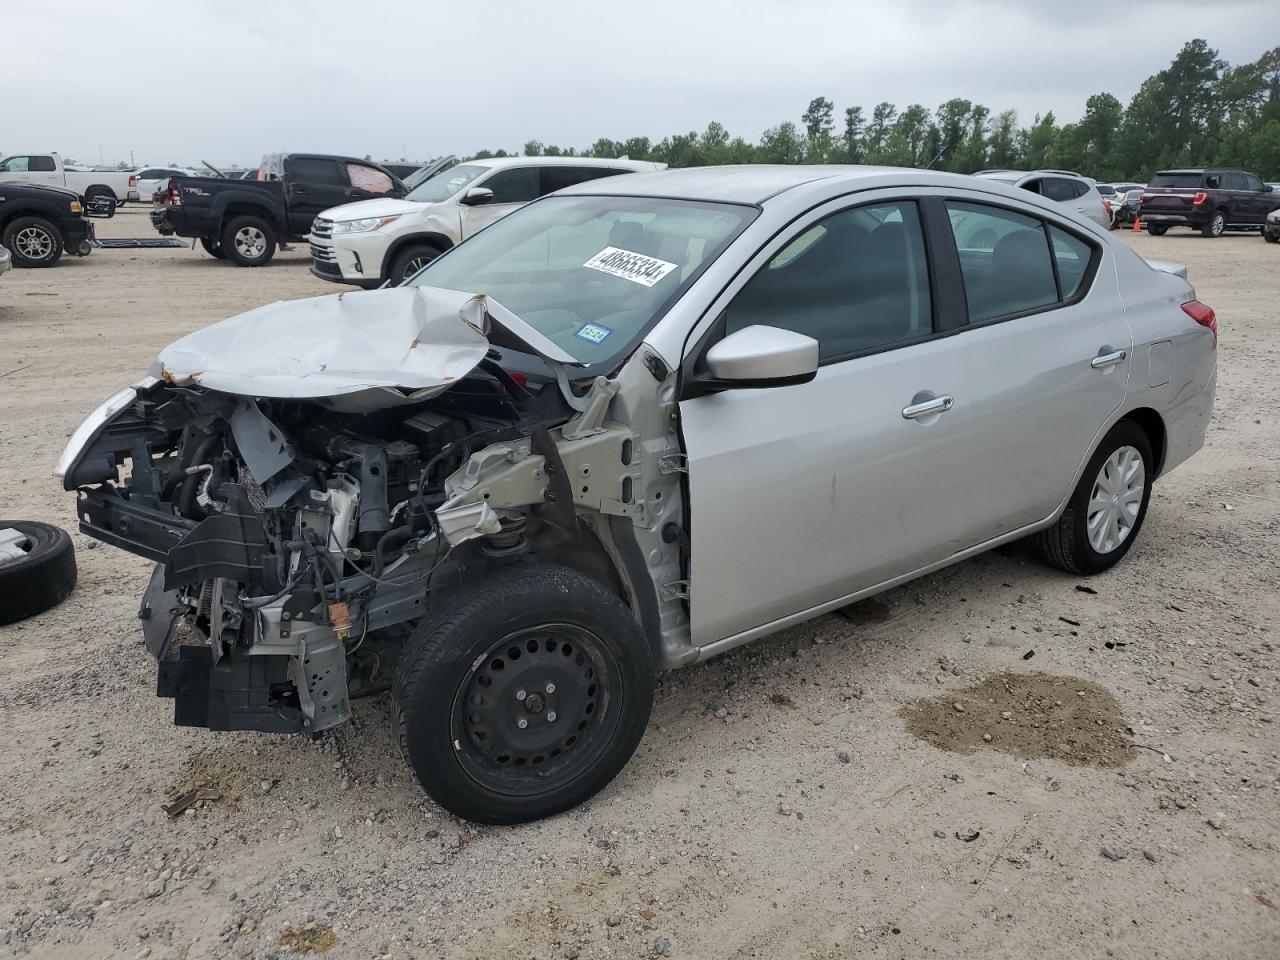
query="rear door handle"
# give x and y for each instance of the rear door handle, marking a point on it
(1107, 359)
(928, 408)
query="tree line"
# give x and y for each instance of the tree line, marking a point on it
(1199, 111)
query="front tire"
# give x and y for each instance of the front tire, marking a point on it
(523, 695)
(1157, 229)
(1216, 226)
(1270, 238)
(1107, 507)
(410, 260)
(248, 241)
(34, 242)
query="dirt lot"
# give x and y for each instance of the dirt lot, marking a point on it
(816, 794)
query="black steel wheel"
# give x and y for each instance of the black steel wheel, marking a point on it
(524, 695)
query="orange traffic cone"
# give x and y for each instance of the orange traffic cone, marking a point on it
(1137, 224)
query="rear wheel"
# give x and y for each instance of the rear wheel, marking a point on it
(1157, 229)
(524, 695)
(1106, 510)
(99, 197)
(34, 242)
(1216, 226)
(410, 260)
(213, 247)
(248, 241)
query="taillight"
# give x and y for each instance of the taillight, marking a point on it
(1106, 205)
(1202, 315)
(1144, 197)
(174, 197)
(133, 180)
(1198, 199)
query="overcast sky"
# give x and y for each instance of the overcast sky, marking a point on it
(227, 80)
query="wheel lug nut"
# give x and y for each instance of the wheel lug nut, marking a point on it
(551, 688)
(551, 717)
(520, 695)
(522, 723)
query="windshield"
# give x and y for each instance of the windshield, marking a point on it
(590, 273)
(446, 183)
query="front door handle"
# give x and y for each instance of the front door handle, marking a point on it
(1107, 359)
(928, 408)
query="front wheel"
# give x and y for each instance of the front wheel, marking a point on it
(1216, 226)
(1106, 510)
(1270, 237)
(248, 241)
(524, 695)
(34, 242)
(410, 260)
(1157, 229)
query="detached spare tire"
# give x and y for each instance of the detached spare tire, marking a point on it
(37, 568)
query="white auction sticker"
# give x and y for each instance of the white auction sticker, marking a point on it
(635, 267)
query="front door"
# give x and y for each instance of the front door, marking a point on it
(802, 495)
(1046, 358)
(312, 185)
(512, 188)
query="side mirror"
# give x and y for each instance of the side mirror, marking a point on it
(477, 197)
(760, 356)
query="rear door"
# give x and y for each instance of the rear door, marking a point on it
(1254, 200)
(312, 184)
(802, 495)
(1046, 359)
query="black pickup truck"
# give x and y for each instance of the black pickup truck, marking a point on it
(243, 220)
(38, 223)
(1211, 201)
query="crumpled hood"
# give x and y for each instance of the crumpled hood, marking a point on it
(388, 207)
(356, 351)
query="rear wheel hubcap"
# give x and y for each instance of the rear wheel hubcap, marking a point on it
(1116, 499)
(251, 242)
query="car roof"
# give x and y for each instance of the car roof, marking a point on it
(747, 183)
(499, 162)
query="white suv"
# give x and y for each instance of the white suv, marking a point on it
(373, 241)
(1067, 188)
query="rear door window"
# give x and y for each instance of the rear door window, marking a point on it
(557, 178)
(1059, 189)
(43, 165)
(1004, 260)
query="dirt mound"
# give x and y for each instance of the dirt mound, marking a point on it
(1027, 715)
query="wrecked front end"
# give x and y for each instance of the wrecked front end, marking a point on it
(299, 539)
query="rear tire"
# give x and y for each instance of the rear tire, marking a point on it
(212, 247)
(523, 695)
(1107, 507)
(1216, 226)
(410, 260)
(1157, 229)
(43, 577)
(103, 193)
(34, 242)
(248, 241)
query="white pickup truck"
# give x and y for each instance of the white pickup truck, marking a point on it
(96, 186)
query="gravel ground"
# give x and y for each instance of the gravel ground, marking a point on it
(1108, 784)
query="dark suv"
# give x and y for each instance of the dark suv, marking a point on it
(1211, 201)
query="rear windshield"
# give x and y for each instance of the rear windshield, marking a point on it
(1188, 181)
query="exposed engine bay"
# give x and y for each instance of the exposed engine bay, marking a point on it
(296, 545)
